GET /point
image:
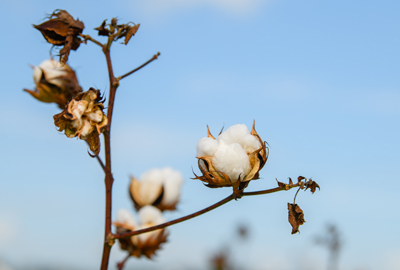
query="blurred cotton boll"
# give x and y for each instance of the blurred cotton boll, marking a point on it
(55, 82)
(233, 159)
(144, 244)
(158, 187)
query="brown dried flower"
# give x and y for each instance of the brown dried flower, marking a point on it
(233, 159)
(55, 82)
(145, 244)
(83, 117)
(62, 30)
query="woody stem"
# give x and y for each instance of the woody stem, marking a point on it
(136, 69)
(198, 213)
(107, 141)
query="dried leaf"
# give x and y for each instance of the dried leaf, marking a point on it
(131, 32)
(103, 31)
(301, 178)
(312, 185)
(296, 217)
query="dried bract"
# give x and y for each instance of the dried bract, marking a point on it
(233, 159)
(296, 217)
(62, 30)
(55, 82)
(117, 31)
(145, 244)
(158, 187)
(83, 117)
(312, 185)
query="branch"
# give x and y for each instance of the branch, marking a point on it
(121, 264)
(87, 37)
(205, 210)
(136, 69)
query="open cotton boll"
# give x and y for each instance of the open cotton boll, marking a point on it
(206, 147)
(52, 69)
(172, 186)
(231, 160)
(124, 216)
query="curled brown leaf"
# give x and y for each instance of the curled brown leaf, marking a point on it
(296, 217)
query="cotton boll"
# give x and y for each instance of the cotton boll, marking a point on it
(150, 214)
(52, 70)
(124, 216)
(206, 147)
(250, 143)
(231, 160)
(172, 186)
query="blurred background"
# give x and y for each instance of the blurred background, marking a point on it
(321, 79)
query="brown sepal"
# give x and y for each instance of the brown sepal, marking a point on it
(93, 140)
(301, 178)
(296, 217)
(103, 31)
(312, 185)
(282, 185)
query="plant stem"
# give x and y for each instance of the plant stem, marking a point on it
(109, 177)
(87, 37)
(136, 69)
(122, 263)
(198, 213)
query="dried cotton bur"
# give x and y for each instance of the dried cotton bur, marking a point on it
(233, 159)
(84, 118)
(62, 30)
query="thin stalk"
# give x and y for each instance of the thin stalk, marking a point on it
(122, 263)
(136, 69)
(203, 211)
(87, 37)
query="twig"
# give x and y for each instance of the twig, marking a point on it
(198, 213)
(121, 264)
(87, 37)
(136, 69)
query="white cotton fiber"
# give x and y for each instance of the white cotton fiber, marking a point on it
(206, 147)
(124, 216)
(172, 185)
(150, 214)
(231, 160)
(240, 134)
(152, 181)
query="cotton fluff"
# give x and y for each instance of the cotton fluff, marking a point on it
(206, 147)
(240, 134)
(125, 217)
(230, 151)
(232, 160)
(152, 182)
(170, 179)
(53, 69)
(149, 216)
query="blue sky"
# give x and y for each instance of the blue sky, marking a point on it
(319, 77)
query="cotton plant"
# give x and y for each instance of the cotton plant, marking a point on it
(233, 159)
